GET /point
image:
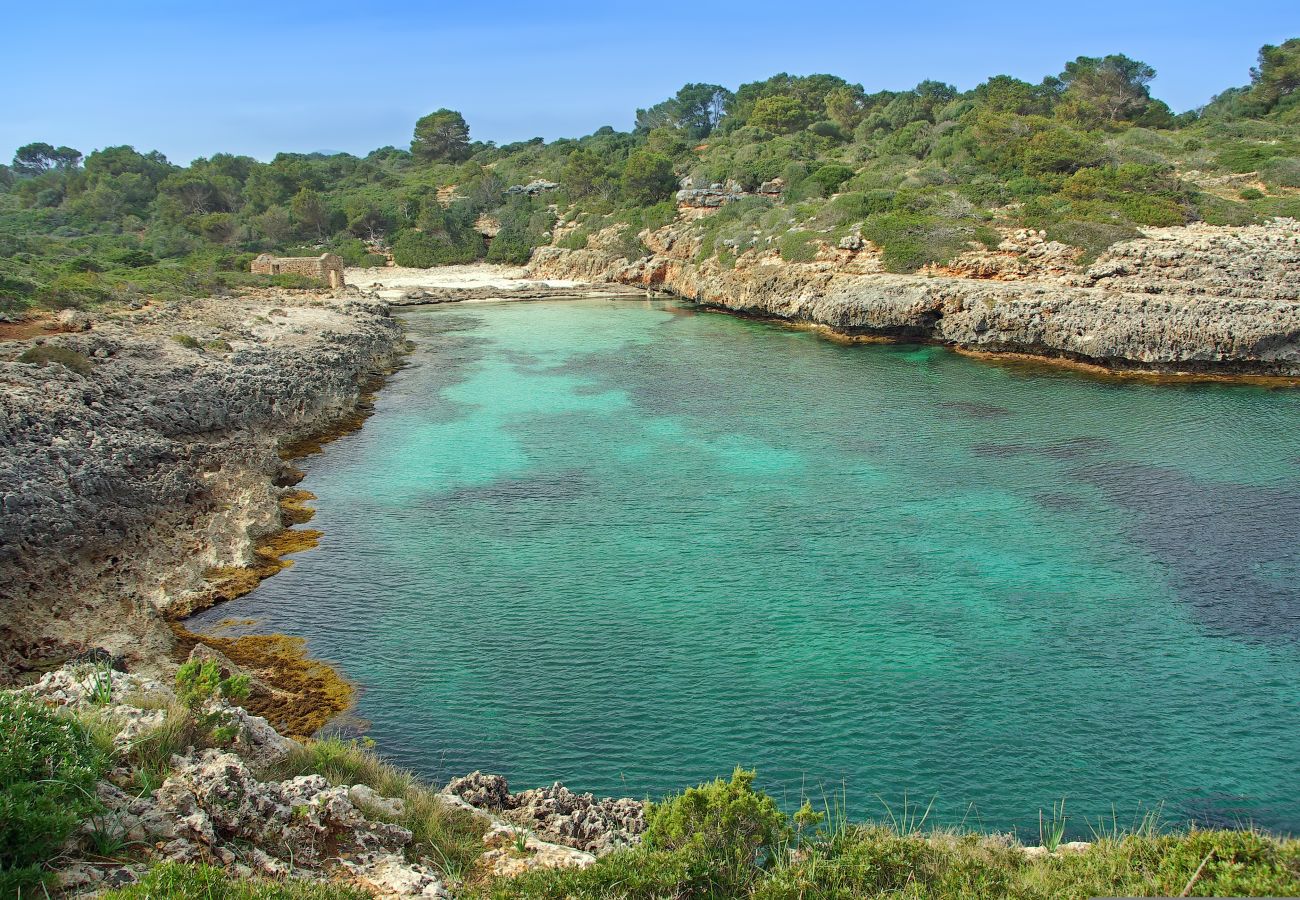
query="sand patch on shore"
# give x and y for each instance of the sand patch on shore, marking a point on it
(392, 282)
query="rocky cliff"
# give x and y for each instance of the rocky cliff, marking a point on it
(1195, 299)
(141, 450)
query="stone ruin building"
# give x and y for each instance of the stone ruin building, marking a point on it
(326, 268)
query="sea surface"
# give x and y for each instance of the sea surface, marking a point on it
(629, 545)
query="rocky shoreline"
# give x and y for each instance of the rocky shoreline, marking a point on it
(146, 455)
(239, 803)
(1198, 299)
(140, 457)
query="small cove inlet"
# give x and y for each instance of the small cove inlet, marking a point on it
(629, 546)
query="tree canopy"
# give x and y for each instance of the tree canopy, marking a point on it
(441, 135)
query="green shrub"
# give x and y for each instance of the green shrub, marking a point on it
(799, 246)
(1282, 172)
(855, 206)
(1218, 211)
(525, 224)
(829, 177)
(423, 250)
(74, 290)
(197, 683)
(1251, 193)
(1091, 237)
(187, 341)
(1252, 157)
(1286, 207)
(575, 240)
(374, 260)
(41, 354)
(133, 259)
(1061, 150)
(909, 241)
(726, 822)
(83, 264)
(177, 881)
(49, 766)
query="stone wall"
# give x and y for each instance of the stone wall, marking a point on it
(326, 268)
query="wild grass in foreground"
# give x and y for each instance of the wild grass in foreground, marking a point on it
(725, 839)
(174, 881)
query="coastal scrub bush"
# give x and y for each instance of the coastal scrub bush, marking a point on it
(575, 239)
(49, 766)
(189, 342)
(1091, 237)
(525, 224)
(446, 242)
(177, 881)
(74, 290)
(829, 177)
(855, 206)
(42, 354)
(1219, 211)
(910, 240)
(799, 246)
(726, 822)
(1283, 172)
(198, 682)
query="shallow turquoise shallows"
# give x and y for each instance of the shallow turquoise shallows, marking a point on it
(629, 546)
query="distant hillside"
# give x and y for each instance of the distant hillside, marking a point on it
(1087, 154)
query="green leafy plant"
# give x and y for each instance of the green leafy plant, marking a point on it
(1051, 831)
(198, 682)
(725, 822)
(49, 765)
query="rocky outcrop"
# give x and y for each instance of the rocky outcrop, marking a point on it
(220, 805)
(1257, 262)
(557, 813)
(143, 451)
(214, 806)
(1195, 299)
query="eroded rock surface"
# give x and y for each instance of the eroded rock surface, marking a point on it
(145, 452)
(556, 813)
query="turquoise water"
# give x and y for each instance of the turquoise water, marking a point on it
(629, 546)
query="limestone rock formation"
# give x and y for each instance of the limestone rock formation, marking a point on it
(144, 451)
(1194, 299)
(556, 813)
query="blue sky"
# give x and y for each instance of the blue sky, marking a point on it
(192, 79)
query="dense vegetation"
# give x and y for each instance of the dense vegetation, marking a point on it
(1087, 154)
